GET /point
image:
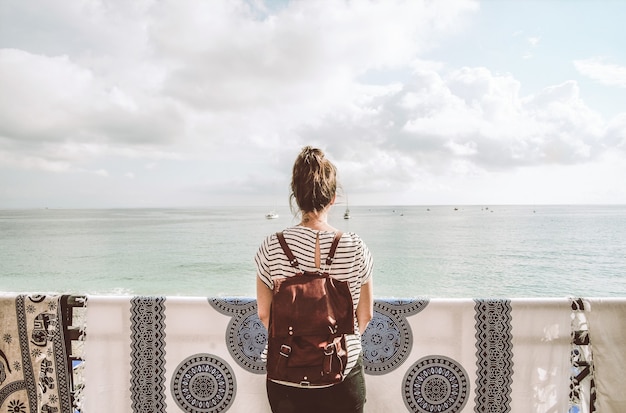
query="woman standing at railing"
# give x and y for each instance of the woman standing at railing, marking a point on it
(313, 188)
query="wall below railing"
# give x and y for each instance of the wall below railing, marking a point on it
(189, 354)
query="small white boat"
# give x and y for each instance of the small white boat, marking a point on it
(346, 215)
(271, 215)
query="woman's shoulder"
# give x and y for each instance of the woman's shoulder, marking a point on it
(268, 241)
(352, 238)
(351, 235)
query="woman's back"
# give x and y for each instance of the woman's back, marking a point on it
(313, 188)
(352, 261)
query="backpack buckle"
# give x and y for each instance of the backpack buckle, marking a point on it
(285, 350)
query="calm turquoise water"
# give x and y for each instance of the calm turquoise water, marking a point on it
(436, 251)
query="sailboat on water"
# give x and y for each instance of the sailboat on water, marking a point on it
(346, 215)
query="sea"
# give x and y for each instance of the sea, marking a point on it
(482, 251)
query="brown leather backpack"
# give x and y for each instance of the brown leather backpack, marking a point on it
(309, 317)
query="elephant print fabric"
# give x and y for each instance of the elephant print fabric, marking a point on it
(34, 373)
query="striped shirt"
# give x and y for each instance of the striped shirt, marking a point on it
(352, 263)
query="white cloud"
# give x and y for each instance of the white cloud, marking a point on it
(615, 133)
(599, 70)
(484, 115)
(465, 122)
(534, 40)
(55, 99)
(206, 94)
(196, 74)
(465, 149)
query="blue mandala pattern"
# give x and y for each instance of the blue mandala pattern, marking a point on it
(436, 384)
(402, 306)
(203, 383)
(388, 340)
(385, 342)
(246, 339)
(230, 306)
(246, 336)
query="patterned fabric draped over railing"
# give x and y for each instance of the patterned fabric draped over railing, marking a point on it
(36, 372)
(191, 354)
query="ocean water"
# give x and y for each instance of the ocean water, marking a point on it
(419, 251)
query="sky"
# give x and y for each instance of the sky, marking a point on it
(198, 103)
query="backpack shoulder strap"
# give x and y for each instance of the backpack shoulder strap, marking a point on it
(333, 248)
(293, 261)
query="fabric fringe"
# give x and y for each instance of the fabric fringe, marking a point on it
(79, 321)
(582, 380)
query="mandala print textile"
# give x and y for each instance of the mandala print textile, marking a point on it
(440, 371)
(477, 356)
(34, 374)
(494, 364)
(427, 362)
(166, 354)
(205, 355)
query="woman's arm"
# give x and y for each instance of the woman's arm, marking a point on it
(365, 308)
(263, 301)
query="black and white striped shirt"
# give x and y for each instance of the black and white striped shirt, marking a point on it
(352, 263)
